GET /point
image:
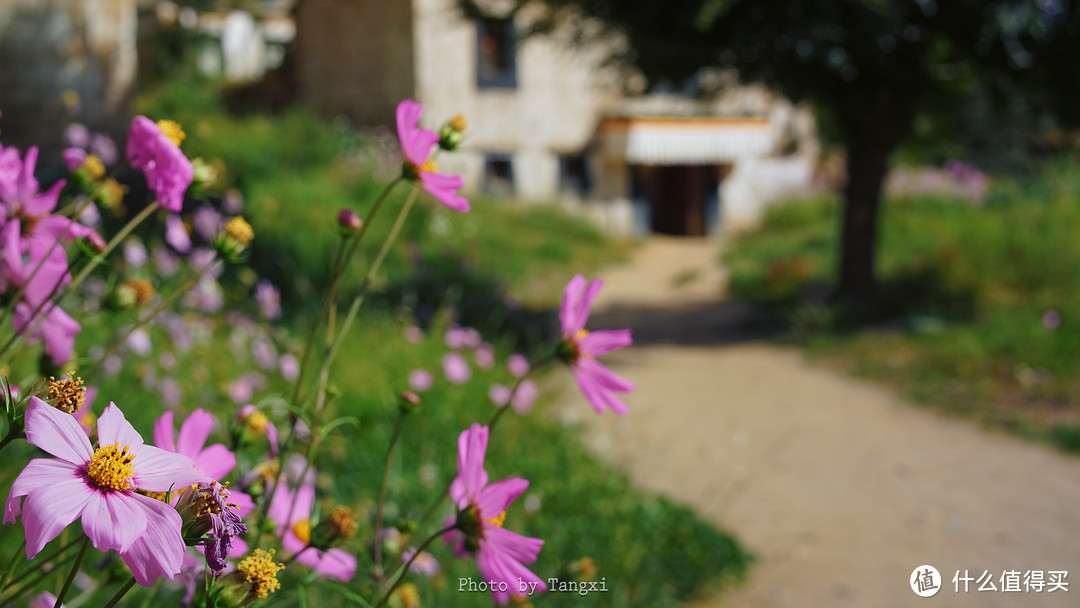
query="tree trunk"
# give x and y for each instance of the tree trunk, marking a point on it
(867, 163)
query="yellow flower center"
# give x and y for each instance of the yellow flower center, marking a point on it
(498, 520)
(94, 167)
(67, 395)
(172, 130)
(257, 421)
(111, 468)
(581, 334)
(238, 229)
(457, 122)
(143, 290)
(162, 496)
(260, 569)
(302, 530)
(429, 166)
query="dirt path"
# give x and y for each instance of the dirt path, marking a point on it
(840, 488)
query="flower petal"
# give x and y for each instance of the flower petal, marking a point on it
(49, 509)
(585, 304)
(159, 471)
(56, 432)
(38, 473)
(193, 433)
(160, 550)
(216, 461)
(444, 188)
(472, 447)
(521, 548)
(163, 431)
(602, 342)
(114, 522)
(568, 310)
(495, 498)
(114, 428)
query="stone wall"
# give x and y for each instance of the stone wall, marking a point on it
(48, 47)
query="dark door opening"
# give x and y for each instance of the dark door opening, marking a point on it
(679, 197)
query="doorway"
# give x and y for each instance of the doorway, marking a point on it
(682, 200)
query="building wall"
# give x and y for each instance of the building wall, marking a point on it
(356, 57)
(48, 47)
(555, 107)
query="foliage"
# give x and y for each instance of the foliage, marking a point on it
(982, 299)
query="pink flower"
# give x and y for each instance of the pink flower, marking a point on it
(73, 158)
(44, 600)
(176, 234)
(525, 397)
(58, 330)
(213, 461)
(485, 356)
(500, 553)
(455, 337)
(99, 487)
(518, 365)
(292, 511)
(421, 379)
(289, 367)
(416, 144)
(168, 172)
(268, 298)
(455, 368)
(414, 334)
(499, 394)
(580, 348)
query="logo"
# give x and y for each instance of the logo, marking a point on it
(925, 581)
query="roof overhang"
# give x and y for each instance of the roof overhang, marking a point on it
(683, 140)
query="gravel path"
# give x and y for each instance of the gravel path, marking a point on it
(840, 488)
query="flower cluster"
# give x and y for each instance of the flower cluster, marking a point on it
(213, 516)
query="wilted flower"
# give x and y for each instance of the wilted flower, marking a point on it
(212, 519)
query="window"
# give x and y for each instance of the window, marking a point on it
(496, 62)
(574, 174)
(498, 174)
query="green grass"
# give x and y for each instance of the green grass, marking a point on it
(965, 290)
(499, 268)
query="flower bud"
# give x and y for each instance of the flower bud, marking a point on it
(452, 133)
(409, 401)
(234, 238)
(94, 242)
(348, 222)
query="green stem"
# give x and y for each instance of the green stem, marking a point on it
(21, 591)
(39, 562)
(382, 492)
(11, 436)
(149, 317)
(341, 264)
(116, 240)
(71, 575)
(366, 285)
(11, 565)
(399, 574)
(120, 593)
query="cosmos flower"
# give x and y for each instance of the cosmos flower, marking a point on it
(500, 553)
(99, 487)
(155, 149)
(416, 145)
(292, 511)
(580, 348)
(421, 379)
(455, 368)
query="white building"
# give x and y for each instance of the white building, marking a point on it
(547, 122)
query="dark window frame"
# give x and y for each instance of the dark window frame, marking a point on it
(506, 78)
(503, 158)
(584, 181)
